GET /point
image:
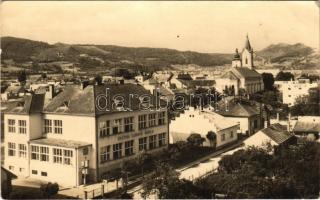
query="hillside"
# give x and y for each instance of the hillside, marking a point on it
(87, 55)
(90, 57)
(296, 56)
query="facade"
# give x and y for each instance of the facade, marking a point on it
(201, 122)
(292, 90)
(75, 139)
(242, 74)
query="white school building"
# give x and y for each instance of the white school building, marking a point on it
(71, 142)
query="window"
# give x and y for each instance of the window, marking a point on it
(11, 168)
(117, 151)
(44, 174)
(35, 153)
(289, 88)
(161, 118)
(143, 144)
(22, 150)
(22, 126)
(128, 124)
(289, 95)
(85, 151)
(152, 119)
(117, 126)
(231, 134)
(104, 154)
(142, 121)
(58, 126)
(57, 155)
(67, 157)
(152, 142)
(11, 149)
(21, 169)
(128, 148)
(104, 128)
(162, 139)
(223, 137)
(35, 172)
(44, 154)
(47, 126)
(255, 124)
(11, 126)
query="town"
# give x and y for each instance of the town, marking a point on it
(54, 131)
(85, 121)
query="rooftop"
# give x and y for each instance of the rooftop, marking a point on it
(313, 127)
(60, 143)
(278, 133)
(29, 104)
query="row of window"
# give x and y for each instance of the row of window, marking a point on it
(22, 126)
(22, 150)
(154, 141)
(61, 156)
(223, 136)
(124, 125)
(35, 172)
(55, 127)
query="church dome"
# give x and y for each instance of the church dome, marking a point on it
(236, 55)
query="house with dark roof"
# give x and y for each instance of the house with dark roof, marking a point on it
(84, 133)
(307, 127)
(242, 74)
(275, 134)
(251, 116)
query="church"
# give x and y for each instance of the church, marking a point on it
(242, 74)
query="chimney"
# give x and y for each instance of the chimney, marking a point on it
(278, 117)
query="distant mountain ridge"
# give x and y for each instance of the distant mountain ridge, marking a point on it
(105, 56)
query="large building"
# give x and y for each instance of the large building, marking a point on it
(292, 90)
(242, 74)
(76, 138)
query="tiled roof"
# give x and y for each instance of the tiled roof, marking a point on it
(30, 104)
(244, 72)
(238, 110)
(277, 133)
(74, 100)
(60, 143)
(307, 127)
(229, 75)
(199, 83)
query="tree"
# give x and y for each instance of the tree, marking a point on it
(307, 105)
(22, 77)
(43, 75)
(270, 98)
(98, 80)
(212, 137)
(49, 189)
(254, 172)
(268, 81)
(284, 76)
(195, 139)
(165, 183)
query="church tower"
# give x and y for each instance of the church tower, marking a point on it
(247, 55)
(236, 62)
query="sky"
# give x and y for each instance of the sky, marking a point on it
(206, 26)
